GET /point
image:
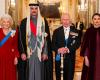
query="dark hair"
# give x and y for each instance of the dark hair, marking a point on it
(95, 15)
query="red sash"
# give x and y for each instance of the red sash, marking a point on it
(33, 28)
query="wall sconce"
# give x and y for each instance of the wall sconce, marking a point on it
(82, 5)
(12, 2)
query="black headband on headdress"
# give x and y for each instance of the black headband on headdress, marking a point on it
(33, 4)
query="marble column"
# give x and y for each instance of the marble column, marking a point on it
(22, 8)
(64, 6)
(73, 10)
(2, 8)
(25, 8)
(99, 6)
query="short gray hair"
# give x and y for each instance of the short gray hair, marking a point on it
(6, 16)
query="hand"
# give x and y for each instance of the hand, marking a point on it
(86, 61)
(30, 51)
(23, 56)
(44, 57)
(15, 61)
(66, 50)
(63, 50)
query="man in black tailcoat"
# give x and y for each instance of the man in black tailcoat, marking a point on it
(65, 41)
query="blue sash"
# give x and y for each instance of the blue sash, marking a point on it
(5, 39)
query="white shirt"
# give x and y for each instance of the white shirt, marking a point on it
(66, 32)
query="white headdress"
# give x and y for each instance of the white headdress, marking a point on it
(40, 31)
